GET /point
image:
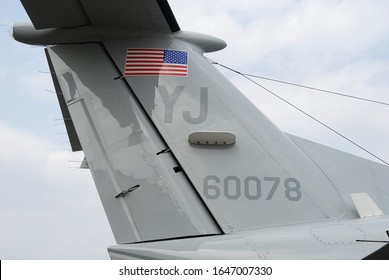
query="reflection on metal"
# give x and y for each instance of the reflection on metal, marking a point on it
(123, 193)
(211, 138)
(70, 129)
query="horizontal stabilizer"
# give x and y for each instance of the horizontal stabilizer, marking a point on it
(151, 15)
(351, 175)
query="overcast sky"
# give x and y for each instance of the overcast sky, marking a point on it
(51, 210)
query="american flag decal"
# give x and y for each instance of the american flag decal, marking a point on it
(156, 62)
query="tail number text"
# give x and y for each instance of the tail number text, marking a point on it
(251, 187)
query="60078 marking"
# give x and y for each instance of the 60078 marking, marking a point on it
(232, 187)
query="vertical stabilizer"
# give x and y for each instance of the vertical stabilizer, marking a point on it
(261, 178)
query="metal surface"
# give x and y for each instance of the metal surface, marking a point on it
(267, 196)
(274, 176)
(121, 147)
(211, 138)
(70, 129)
(55, 13)
(123, 14)
(366, 207)
(350, 174)
(325, 240)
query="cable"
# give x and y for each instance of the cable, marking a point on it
(300, 110)
(318, 89)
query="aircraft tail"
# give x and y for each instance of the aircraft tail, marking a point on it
(179, 151)
(174, 148)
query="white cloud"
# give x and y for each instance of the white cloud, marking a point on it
(17, 146)
(51, 210)
(294, 33)
(3, 74)
(37, 84)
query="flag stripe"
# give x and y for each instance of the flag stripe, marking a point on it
(144, 56)
(156, 70)
(128, 66)
(143, 61)
(155, 65)
(156, 74)
(144, 49)
(156, 62)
